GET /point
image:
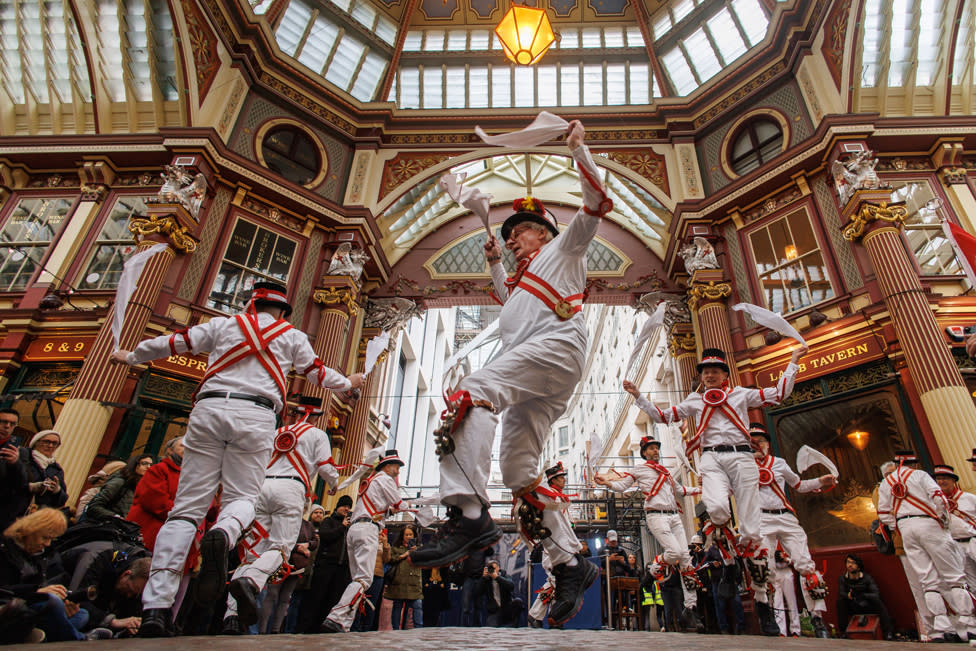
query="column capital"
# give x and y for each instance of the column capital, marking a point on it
(682, 343)
(868, 214)
(341, 292)
(171, 221)
(707, 285)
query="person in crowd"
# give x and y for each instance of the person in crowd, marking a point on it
(366, 617)
(727, 466)
(96, 481)
(858, 594)
(672, 595)
(29, 569)
(615, 554)
(469, 572)
(229, 436)
(783, 580)
(115, 498)
(44, 476)
(544, 338)
(437, 597)
(331, 569)
(154, 494)
(962, 518)
(13, 471)
(652, 601)
(274, 606)
(379, 495)
(584, 548)
(972, 458)
(725, 578)
(406, 589)
(497, 590)
(118, 579)
(315, 518)
(911, 501)
(633, 567)
(706, 603)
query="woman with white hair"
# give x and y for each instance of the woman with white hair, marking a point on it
(45, 477)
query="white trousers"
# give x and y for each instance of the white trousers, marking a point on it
(935, 557)
(279, 510)
(784, 600)
(563, 544)
(919, 595)
(727, 473)
(968, 552)
(531, 384)
(539, 607)
(362, 541)
(785, 529)
(227, 442)
(669, 532)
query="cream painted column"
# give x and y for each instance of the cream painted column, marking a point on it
(706, 300)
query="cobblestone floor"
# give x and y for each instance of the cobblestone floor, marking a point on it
(505, 639)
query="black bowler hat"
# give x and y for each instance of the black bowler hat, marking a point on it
(269, 293)
(972, 458)
(310, 405)
(648, 441)
(905, 456)
(390, 457)
(713, 357)
(945, 471)
(529, 209)
(758, 429)
(556, 471)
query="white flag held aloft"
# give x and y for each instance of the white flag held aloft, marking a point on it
(545, 127)
(374, 348)
(807, 456)
(596, 450)
(131, 271)
(366, 467)
(769, 319)
(471, 198)
(652, 323)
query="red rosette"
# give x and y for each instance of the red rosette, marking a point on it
(714, 397)
(899, 490)
(285, 442)
(765, 477)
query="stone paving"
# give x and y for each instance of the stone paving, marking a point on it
(502, 639)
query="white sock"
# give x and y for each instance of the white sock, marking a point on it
(573, 562)
(470, 507)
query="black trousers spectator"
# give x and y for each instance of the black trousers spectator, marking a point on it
(865, 605)
(328, 582)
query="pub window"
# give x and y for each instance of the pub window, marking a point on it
(253, 254)
(791, 269)
(756, 142)
(923, 229)
(31, 228)
(291, 152)
(114, 245)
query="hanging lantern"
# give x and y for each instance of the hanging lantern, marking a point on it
(525, 34)
(858, 439)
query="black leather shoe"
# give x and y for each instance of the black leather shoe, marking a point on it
(690, 621)
(232, 626)
(457, 538)
(534, 623)
(213, 566)
(156, 622)
(952, 638)
(767, 623)
(329, 626)
(571, 583)
(245, 591)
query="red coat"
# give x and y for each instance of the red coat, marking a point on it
(154, 499)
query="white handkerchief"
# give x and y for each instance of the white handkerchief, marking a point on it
(471, 198)
(545, 127)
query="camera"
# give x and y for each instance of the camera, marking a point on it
(82, 594)
(959, 334)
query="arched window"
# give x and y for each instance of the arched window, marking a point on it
(756, 142)
(292, 153)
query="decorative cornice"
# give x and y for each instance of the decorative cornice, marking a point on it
(869, 213)
(710, 291)
(167, 226)
(96, 192)
(334, 296)
(953, 175)
(681, 343)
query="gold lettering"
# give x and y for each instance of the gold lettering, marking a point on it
(862, 349)
(48, 347)
(63, 348)
(842, 354)
(79, 346)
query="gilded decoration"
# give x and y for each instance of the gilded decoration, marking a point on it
(650, 165)
(308, 103)
(391, 314)
(203, 45)
(834, 38)
(678, 344)
(954, 175)
(168, 227)
(468, 138)
(710, 291)
(407, 165)
(403, 285)
(96, 192)
(870, 213)
(732, 99)
(334, 296)
(772, 204)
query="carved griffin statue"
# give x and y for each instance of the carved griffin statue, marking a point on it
(347, 261)
(184, 188)
(855, 173)
(699, 254)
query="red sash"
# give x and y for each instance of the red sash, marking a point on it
(953, 503)
(555, 494)
(290, 450)
(662, 476)
(900, 494)
(371, 508)
(564, 307)
(718, 405)
(768, 478)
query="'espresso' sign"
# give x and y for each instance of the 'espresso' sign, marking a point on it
(187, 365)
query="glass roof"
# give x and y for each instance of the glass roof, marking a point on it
(352, 44)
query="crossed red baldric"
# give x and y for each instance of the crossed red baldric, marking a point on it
(564, 307)
(900, 494)
(714, 404)
(662, 476)
(289, 450)
(368, 503)
(768, 478)
(953, 503)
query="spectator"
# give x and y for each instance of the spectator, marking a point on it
(652, 600)
(633, 569)
(725, 591)
(616, 554)
(437, 597)
(118, 579)
(316, 517)
(97, 480)
(406, 589)
(783, 579)
(673, 597)
(153, 497)
(278, 595)
(29, 568)
(45, 477)
(115, 498)
(858, 594)
(13, 471)
(585, 549)
(469, 572)
(366, 618)
(497, 590)
(331, 569)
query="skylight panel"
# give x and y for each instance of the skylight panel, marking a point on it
(501, 86)
(454, 87)
(413, 41)
(345, 61)
(319, 45)
(591, 37)
(662, 24)
(681, 75)
(569, 38)
(433, 97)
(364, 14)
(457, 40)
(292, 27)
(702, 55)
(524, 86)
(478, 86)
(929, 37)
(616, 84)
(369, 77)
(964, 44)
(726, 36)
(111, 39)
(386, 29)
(547, 84)
(634, 36)
(681, 9)
(569, 85)
(32, 50)
(592, 84)
(409, 82)
(480, 39)
(613, 37)
(434, 40)
(871, 46)
(752, 18)
(639, 83)
(342, 4)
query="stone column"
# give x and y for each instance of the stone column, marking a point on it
(876, 224)
(338, 297)
(83, 418)
(710, 314)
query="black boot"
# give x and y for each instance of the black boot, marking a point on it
(571, 583)
(245, 592)
(690, 621)
(156, 622)
(767, 623)
(329, 626)
(213, 566)
(534, 623)
(457, 538)
(232, 626)
(819, 628)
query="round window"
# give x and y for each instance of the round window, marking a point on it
(291, 152)
(756, 142)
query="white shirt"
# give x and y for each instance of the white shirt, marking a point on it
(217, 336)
(562, 264)
(382, 494)
(966, 504)
(784, 476)
(314, 450)
(720, 430)
(647, 477)
(920, 486)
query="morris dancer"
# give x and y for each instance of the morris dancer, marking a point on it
(962, 523)
(301, 451)
(663, 516)
(727, 466)
(379, 495)
(228, 437)
(911, 501)
(532, 381)
(779, 526)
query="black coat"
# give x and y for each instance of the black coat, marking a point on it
(332, 541)
(104, 573)
(13, 488)
(860, 590)
(53, 471)
(23, 573)
(505, 590)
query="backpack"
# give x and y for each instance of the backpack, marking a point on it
(881, 536)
